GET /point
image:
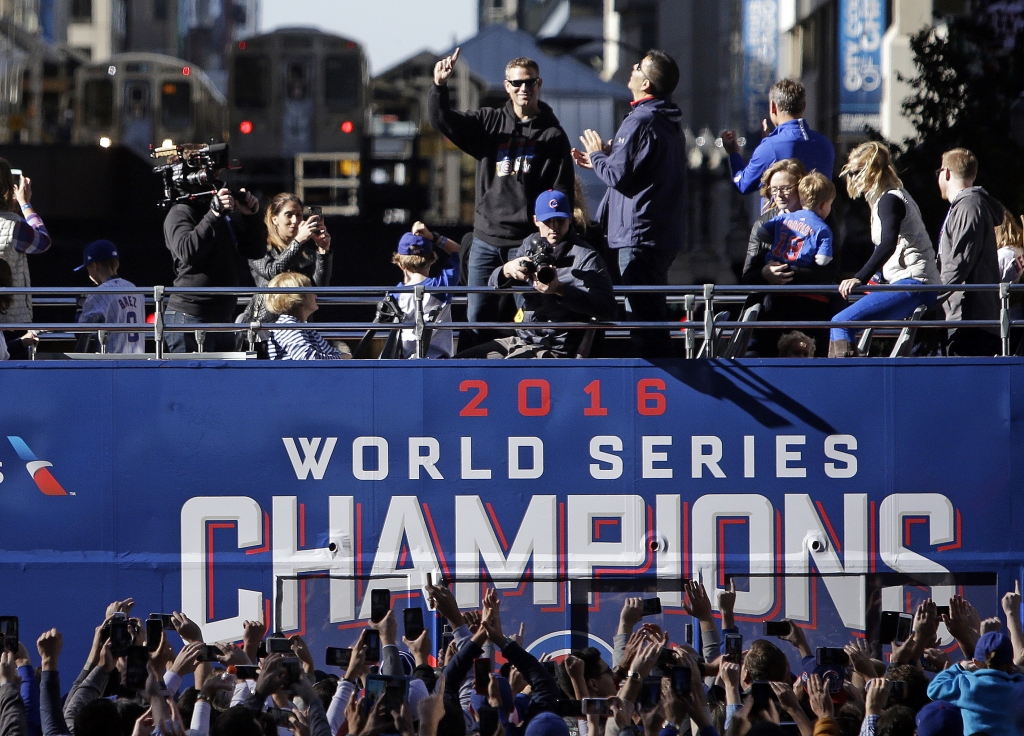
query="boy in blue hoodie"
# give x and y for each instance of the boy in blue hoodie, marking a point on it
(984, 688)
(801, 238)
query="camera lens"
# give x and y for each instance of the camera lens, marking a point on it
(546, 274)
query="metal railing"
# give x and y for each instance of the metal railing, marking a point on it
(693, 298)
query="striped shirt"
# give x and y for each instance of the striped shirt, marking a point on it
(299, 344)
(31, 236)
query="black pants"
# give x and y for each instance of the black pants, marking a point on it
(647, 267)
(973, 342)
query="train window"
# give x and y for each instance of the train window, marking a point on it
(176, 105)
(342, 82)
(252, 81)
(98, 103)
(298, 80)
(136, 98)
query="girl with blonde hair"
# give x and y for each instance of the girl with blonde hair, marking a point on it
(903, 251)
(295, 344)
(293, 244)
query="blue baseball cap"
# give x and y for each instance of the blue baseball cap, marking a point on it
(98, 250)
(414, 245)
(552, 204)
(940, 718)
(997, 643)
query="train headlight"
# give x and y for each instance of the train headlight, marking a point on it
(245, 127)
(104, 142)
(111, 70)
(347, 127)
(168, 143)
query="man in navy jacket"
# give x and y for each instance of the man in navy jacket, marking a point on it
(644, 167)
(790, 139)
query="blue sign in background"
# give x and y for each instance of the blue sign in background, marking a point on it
(760, 57)
(862, 24)
(184, 472)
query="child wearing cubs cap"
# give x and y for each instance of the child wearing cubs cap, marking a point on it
(430, 260)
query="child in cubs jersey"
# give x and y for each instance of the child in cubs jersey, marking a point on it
(101, 262)
(801, 238)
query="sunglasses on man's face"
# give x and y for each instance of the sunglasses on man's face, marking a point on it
(530, 82)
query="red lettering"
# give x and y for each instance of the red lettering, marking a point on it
(650, 402)
(473, 408)
(545, 397)
(595, 409)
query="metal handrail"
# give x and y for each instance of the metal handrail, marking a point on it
(689, 296)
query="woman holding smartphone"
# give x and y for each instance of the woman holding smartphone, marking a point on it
(294, 243)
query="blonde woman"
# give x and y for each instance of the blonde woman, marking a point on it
(293, 244)
(295, 344)
(1010, 244)
(903, 251)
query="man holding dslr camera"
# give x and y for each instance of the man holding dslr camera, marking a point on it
(570, 282)
(210, 238)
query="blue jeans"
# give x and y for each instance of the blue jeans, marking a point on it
(185, 342)
(483, 259)
(647, 267)
(882, 305)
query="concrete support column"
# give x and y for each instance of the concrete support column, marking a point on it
(910, 17)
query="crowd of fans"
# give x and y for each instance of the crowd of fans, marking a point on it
(132, 681)
(531, 229)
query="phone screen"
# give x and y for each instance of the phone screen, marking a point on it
(481, 675)
(338, 657)
(279, 645)
(777, 628)
(650, 693)
(394, 693)
(681, 681)
(688, 633)
(165, 619)
(762, 694)
(652, 606)
(154, 630)
(372, 645)
(488, 720)
(596, 707)
(135, 671)
(734, 647)
(9, 631)
(375, 687)
(380, 604)
(413, 623)
(120, 637)
(246, 671)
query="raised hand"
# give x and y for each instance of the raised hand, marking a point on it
(877, 694)
(443, 600)
(821, 700)
(729, 142)
(697, 602)
(857, 650)
(726, 603)
(49, 645)
(1011, 601)
(187, 628)
(491, 620)
(444, 68)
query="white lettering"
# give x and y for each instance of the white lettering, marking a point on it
(290, 561)
(760, 598)
(698, 460)
(536, 469)
(670, 549)
(475, 539)
(614, 461)
(650, 456)
(748, 456)
(840, 440)
(426, 462)
(584, 553)
(308, 463)
(404, 520)
(783, 456)
(359, 445)
(468, 471)
(195, 514)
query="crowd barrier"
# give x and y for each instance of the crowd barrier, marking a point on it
(701, 299)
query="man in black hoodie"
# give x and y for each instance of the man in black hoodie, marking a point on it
(967, 254)
(209, 247)
(521, 151)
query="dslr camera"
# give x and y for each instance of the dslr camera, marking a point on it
(191, 171)
(541, 255)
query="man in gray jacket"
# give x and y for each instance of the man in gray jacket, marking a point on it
(570, 281)
(967, 254)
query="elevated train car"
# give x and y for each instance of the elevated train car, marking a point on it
(135, 100)
(298, 104)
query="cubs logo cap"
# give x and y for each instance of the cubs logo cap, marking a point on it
(552, 204)
(98, 251)
(414, 245)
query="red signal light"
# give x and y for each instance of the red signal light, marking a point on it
(186, 71)
(242, 45)
(245, 127)
(347, 127)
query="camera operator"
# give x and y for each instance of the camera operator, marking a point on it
(570, 281)
(209, 238)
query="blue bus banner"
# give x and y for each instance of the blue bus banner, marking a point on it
(258, 491)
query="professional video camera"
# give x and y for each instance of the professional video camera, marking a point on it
(191, 171)
(541, 255)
